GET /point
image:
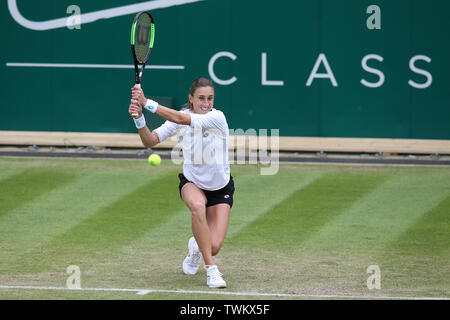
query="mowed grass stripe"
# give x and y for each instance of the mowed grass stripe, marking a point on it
(430, 235)
(65, 207)
(425, 246)
(384, 214)
(128, 217)
(256, 194)
(305, 212)
(114, 226)
(28, 185)
(27, 232)
(7, 172)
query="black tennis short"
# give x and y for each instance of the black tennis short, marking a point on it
(224, 195)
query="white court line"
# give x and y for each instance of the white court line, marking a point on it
(89, 66)
(229, 293)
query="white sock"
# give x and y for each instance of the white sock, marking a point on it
(209, 266)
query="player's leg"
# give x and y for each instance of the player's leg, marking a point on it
(218, 214)
(218, 217)
(195, 200)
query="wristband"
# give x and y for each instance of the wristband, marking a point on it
(140, 123)
(151, 105)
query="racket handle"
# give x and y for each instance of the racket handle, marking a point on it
(135, 114)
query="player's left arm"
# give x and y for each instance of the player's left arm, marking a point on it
(164, 112)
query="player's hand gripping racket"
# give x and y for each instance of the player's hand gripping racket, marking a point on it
(142, 39)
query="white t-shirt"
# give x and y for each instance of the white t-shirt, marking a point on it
(205, 148)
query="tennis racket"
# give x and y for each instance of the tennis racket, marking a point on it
(142, 39)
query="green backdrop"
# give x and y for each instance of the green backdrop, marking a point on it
(284, 38)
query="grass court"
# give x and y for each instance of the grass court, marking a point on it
(310, 231)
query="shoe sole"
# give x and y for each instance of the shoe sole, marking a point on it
(187, 271)
(217, 287)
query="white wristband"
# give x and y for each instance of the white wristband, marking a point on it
(140, 123)
(151, 105)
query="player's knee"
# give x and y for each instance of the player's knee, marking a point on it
(198, 210)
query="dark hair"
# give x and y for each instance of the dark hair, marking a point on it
(198, 83)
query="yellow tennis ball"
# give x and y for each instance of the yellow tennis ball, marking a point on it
(154, 160)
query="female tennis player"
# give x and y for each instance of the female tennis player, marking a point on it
(206, 185)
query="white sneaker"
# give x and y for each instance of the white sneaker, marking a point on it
(214, 278)
(192, 261)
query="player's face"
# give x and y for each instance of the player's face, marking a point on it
(202, 100)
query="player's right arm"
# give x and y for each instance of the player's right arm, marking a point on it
(148, 138)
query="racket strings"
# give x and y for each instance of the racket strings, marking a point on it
(143, 38)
